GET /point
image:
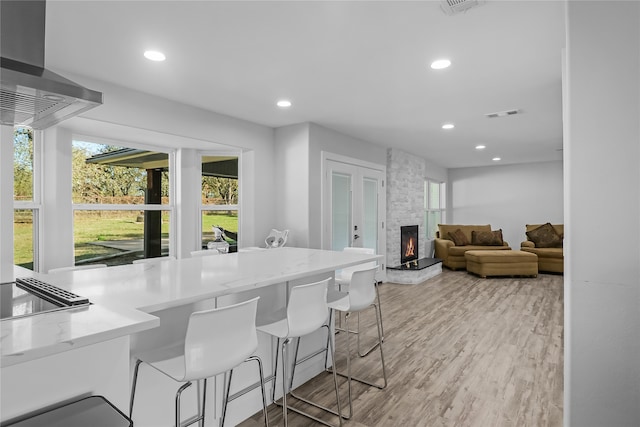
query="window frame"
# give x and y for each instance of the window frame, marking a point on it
(35, 204)
(427, 204)
(170, 207)
(202, 208)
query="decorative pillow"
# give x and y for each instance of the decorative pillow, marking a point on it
(545, 236)
(459, 238)
(487, 238)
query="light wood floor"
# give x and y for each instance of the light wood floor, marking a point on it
(459, 351)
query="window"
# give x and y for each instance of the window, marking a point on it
(26, 196)
(434, 206)
(121, 202)
(219, 206)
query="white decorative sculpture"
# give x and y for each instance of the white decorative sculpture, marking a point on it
(276, 238)
(219, 243)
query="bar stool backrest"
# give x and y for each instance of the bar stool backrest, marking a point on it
(307, 308)
(220, 339)
(362, 289)
(346, 272)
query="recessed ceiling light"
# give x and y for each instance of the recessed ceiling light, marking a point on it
(440, 64)
(154, 55)
(496, 159)
(480, 147)
(448, 126)
(284, 103)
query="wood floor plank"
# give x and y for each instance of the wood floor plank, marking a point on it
(459, 351)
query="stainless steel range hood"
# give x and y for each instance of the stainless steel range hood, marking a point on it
(32, 95)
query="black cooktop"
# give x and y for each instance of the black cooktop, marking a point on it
(26, 297)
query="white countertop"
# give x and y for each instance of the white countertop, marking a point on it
(122, 296)
(32, 337)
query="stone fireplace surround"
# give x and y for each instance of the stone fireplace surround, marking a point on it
(405, 206)
(405, 200)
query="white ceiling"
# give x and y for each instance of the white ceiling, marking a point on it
(361, 67)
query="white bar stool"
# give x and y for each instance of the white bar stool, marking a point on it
(343, 278)
(216, 341)
(306, 312)
(77, 267)
(361, 295)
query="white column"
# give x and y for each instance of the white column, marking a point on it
(6, 204)
(188, 181)
(602, 217)
(247, 200)
(57, 216)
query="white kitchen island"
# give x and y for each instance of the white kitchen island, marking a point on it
(54, 357)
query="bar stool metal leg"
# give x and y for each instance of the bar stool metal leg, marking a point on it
(264, 393)
(285, 342)
(178, 394)
(204, 401)
(370, 349)
(227, 398)
(384, 371)
(335, 381)
(348, 375)
(133, 386)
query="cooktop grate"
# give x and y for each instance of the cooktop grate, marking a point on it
(49, 291)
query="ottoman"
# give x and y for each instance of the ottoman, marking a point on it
(502, 263)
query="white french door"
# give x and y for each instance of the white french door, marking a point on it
(354, 206)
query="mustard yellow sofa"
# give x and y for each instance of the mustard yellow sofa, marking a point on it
(452, 255)
(550, 259)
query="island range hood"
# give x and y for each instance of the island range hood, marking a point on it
(32, 95)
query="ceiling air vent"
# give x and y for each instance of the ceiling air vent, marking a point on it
(453, 7)
(503, 113)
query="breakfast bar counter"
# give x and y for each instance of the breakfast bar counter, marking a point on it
(128, 301)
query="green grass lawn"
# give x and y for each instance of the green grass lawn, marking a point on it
(23, 244)
(224, 220)
(110, 225)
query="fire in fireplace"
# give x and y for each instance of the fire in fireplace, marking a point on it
(408, 243)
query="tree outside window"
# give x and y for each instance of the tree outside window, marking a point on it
(26, 206)
(121, 202)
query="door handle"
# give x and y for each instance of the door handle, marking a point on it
(356, 237)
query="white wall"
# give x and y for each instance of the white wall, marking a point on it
(298, 168)
(291, 169)
(436, 172)
(602, 243)
(507, 197)
(127, 112)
